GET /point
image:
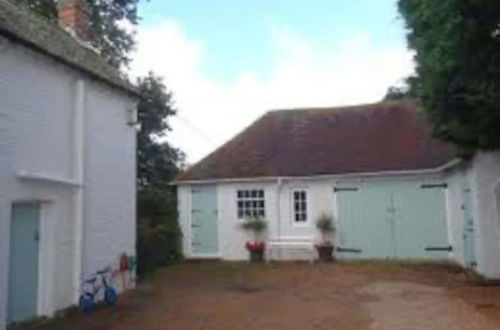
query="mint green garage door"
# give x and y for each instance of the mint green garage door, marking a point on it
(391, 219)
(204, 233)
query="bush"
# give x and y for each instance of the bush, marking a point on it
(325, 225)
(255, 225)
(159, 238)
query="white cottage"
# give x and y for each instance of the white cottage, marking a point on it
(67, 162)
(394, 191)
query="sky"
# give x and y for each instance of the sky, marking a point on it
(227, 62)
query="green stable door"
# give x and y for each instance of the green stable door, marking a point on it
(23, 262)
(204, 224)
(391, 219)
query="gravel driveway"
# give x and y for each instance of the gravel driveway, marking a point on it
(215, 295)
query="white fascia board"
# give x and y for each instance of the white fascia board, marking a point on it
(439, 169)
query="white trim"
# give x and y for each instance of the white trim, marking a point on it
(335, 215)
(43, 253)
(190, 220)
(32, 176)
(205, 256)
(79, 172)
(497, 200)
(46, 266)
(325, 176)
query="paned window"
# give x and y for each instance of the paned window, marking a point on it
(300, 206)
(251, 203)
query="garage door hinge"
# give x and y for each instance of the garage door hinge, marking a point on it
(340, 249)
(439, 248)
(436, 185)
(335, 189)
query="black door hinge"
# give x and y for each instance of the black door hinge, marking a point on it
(340, 249)
(336, 189)
(436, 185)
(439, 248)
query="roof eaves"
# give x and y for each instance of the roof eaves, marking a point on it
(23, 27)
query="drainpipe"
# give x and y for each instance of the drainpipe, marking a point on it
(78, 173)
(279, 183)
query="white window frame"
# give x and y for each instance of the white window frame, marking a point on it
(250, 199)
(307, 221)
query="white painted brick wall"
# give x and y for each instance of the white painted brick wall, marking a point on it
(232, 238)
(109, 181)
(36, 111)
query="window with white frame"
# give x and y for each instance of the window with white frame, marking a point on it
(299, 206)
(251, 203)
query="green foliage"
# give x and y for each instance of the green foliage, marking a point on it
(107, 32)
(325, 224)
(457, 44)
(403, 92)
(157, 161)
(256, 225)
(395, 93)
(159, 236)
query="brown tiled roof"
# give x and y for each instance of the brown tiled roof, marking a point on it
(20, 24)
(388, 136)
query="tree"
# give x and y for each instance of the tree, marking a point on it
(158, 235)
(457, 44)
(157, 161)
(401, 92)
(107, 31)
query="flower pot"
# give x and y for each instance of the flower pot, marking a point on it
(256, 256)
(325, 252)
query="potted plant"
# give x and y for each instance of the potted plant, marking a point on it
(325, 225)
(256, 246)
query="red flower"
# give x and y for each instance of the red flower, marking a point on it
(255, 246)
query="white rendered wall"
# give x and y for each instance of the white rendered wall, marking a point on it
(321, 199)
(184, 209)
(456, 180)
(109, 194)
(485, 178)
(36, 136)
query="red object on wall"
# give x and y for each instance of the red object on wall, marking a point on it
(123, 262)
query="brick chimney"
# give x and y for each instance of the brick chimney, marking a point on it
(73, 16)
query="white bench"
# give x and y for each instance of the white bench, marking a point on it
(283, 248)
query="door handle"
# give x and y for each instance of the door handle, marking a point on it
(195, 226)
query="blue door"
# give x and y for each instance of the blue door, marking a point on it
(364, 221)
(468, 228)
(421, 229)
(23, 262)
(204, 232)
(388, 219)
